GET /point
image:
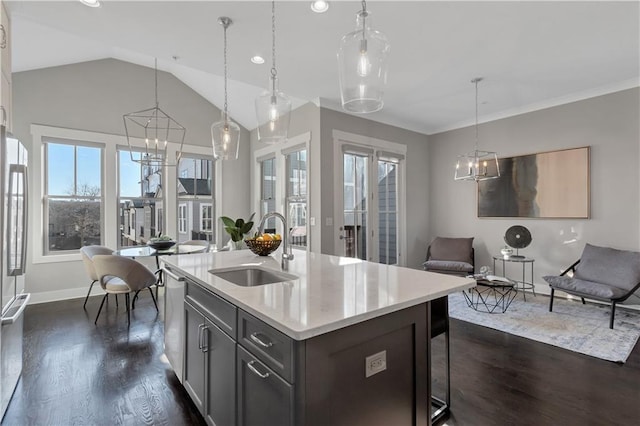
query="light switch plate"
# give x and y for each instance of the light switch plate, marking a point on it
(312, 221)
(328, 221)
(374, 364)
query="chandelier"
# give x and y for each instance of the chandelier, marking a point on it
(362, 66)
(273, 108)
(157, 129)
(477, 165)
(225, 134)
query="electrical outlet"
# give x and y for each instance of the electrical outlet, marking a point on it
(312, 221)
(374, 364)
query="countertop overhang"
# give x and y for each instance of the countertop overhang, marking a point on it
(331, 292)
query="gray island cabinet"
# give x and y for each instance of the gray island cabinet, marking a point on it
(322, 349)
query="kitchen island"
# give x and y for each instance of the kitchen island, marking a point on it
(335, 341)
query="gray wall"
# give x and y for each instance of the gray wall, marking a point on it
(416, 171)
(608, 124)
(93, 96)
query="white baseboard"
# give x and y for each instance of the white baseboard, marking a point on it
(57, 295)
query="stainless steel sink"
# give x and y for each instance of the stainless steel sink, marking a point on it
(251, 276)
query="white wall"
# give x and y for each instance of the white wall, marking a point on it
(608, 124)
(93, 96)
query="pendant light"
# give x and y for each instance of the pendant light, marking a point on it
(273, 108)
(362, 66)
(477, 165)
(156, 128)
(225, 134)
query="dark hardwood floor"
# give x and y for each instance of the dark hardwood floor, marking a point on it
(76, 373)
(502, 379)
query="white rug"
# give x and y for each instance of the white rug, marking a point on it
(571, 325)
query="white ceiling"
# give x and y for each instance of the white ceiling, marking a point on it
(531, 54)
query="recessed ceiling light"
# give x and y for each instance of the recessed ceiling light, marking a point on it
(319, 6)
(257, 60)
(91, 3)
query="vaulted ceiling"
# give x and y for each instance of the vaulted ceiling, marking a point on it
(531, 54)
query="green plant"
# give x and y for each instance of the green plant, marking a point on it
(238, 228)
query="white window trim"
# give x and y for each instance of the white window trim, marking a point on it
(111, 144)
(279, 151)
(371, 146)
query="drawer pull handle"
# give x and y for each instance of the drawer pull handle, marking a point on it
(200, 334)
(255, 370)
(259, 341)
(205, 338)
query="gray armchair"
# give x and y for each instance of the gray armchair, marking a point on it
(453, 256)
(603, 274)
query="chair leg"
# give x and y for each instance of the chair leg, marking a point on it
(100, 309)
(153, 298)
(583, 302)
(88, 293)
(116, 296)
(133, 301)
(126, 299)
(613, 314)
(551, 300)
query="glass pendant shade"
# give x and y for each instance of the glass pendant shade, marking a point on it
(273, 110)
(225, 135)
(477, 166)
(362, 63)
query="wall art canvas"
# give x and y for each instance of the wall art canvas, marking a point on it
(551, 184)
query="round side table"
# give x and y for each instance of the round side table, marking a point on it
(524, 261)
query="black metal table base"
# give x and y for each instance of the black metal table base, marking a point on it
(488, 298)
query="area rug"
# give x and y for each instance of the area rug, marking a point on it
(571, 325)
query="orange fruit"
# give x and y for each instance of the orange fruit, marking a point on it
(267, 237)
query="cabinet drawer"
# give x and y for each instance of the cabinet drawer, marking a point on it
(216, 309)
(264, 398)
(268, 344)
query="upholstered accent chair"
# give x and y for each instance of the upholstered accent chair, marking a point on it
(87, 253)
(453, 256)
(122, 275)
(601, 273)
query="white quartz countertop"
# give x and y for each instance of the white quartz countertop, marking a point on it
(330, 292)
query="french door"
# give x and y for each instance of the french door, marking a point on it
(369, 203)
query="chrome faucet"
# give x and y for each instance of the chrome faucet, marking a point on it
(287, 255)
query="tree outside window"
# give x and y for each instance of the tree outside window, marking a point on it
(73, 196)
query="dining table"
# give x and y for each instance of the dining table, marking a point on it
(148, 251)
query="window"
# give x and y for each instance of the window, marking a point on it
(139, 199)
(194, 192)
(387, 211)
(369, 209)
(182, 218)
(73, 205)
(206, 217)
(296, 196)
(268, 191)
